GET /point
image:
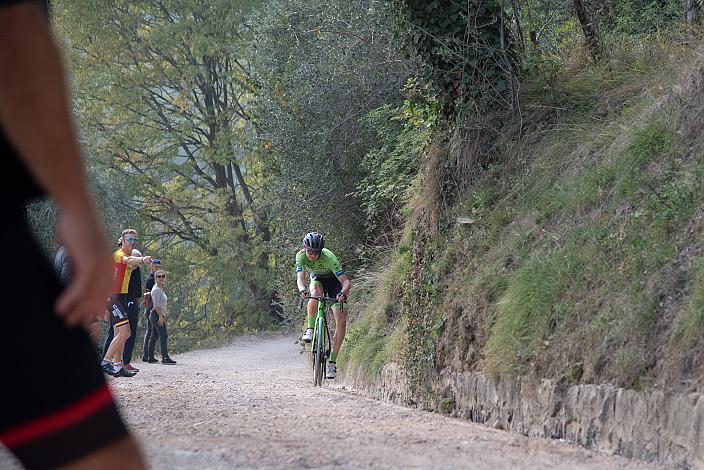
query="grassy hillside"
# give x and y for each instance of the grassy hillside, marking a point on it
(578, 254)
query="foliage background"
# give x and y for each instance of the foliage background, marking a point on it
(224, 131)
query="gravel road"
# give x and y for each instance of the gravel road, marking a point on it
(251, 405)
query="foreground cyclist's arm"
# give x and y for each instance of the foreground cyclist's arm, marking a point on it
(35, 115)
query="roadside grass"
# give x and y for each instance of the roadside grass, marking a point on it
(567, 246)
(530, 309)
(377, 337)
(691, 327)
(595, 245)
(619, 207)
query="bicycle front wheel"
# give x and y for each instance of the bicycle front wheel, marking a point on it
(318, 355)
(315, 358)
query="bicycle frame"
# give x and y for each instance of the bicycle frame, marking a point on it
(321, 336)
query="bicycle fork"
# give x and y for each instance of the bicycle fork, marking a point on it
(322, 326)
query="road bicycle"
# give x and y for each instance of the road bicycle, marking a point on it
(321, 345)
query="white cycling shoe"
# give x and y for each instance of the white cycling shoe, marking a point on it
(331, 373)
(308, 335)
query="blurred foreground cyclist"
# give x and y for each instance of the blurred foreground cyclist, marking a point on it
(51, 416)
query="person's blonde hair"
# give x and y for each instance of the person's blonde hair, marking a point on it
(126, 231)
(159, 271)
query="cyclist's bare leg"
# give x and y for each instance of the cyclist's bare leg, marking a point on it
(316, 290)
(117, 345)
(124, 454)
(340, 327)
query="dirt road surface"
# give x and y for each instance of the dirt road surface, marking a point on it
(251, 405)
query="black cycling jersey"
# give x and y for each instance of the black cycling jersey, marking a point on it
(57, 414)
(50, 414)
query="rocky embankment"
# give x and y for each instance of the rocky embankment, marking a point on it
(654, 426)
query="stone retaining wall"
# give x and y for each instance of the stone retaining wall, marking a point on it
(653, 426)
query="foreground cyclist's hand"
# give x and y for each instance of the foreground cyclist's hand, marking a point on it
(304, 294)
(341, 297)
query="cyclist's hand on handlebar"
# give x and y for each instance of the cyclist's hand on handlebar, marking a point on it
(341, 297)
(304, 294)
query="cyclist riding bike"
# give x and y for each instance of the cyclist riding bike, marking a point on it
(327, 278)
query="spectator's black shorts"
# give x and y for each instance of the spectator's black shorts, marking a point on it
(50, 414)
(117, 308)
(331, 284)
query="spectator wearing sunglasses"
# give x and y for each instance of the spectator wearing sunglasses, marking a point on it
(134, 293)
(124, 263)
(157, 320)
(148, 306)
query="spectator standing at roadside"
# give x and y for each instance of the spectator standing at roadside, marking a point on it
(124, 263)
(157, 319)
(134, 293)
(148, 306)
(44, 410)
(62, 267)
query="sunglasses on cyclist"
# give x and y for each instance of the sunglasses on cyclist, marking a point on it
(132, 239)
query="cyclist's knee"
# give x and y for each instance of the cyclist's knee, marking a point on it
(123, 331)
(340, 315)
(316, 290)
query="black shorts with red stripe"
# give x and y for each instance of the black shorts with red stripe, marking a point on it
(51, 413)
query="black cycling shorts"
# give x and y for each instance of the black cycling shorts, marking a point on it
(331, 284)
(50, 413)
(117, 308)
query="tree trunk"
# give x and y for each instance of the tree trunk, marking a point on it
(590, 34)
(267, 301)
(692, 13)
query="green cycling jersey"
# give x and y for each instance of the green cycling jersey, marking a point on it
(326, 265)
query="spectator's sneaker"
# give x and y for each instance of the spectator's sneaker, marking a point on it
(124, 373)
(308, 335)
(130, 368)
(152, 360)
(108, 368)
(331, 373)
(168, 360)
